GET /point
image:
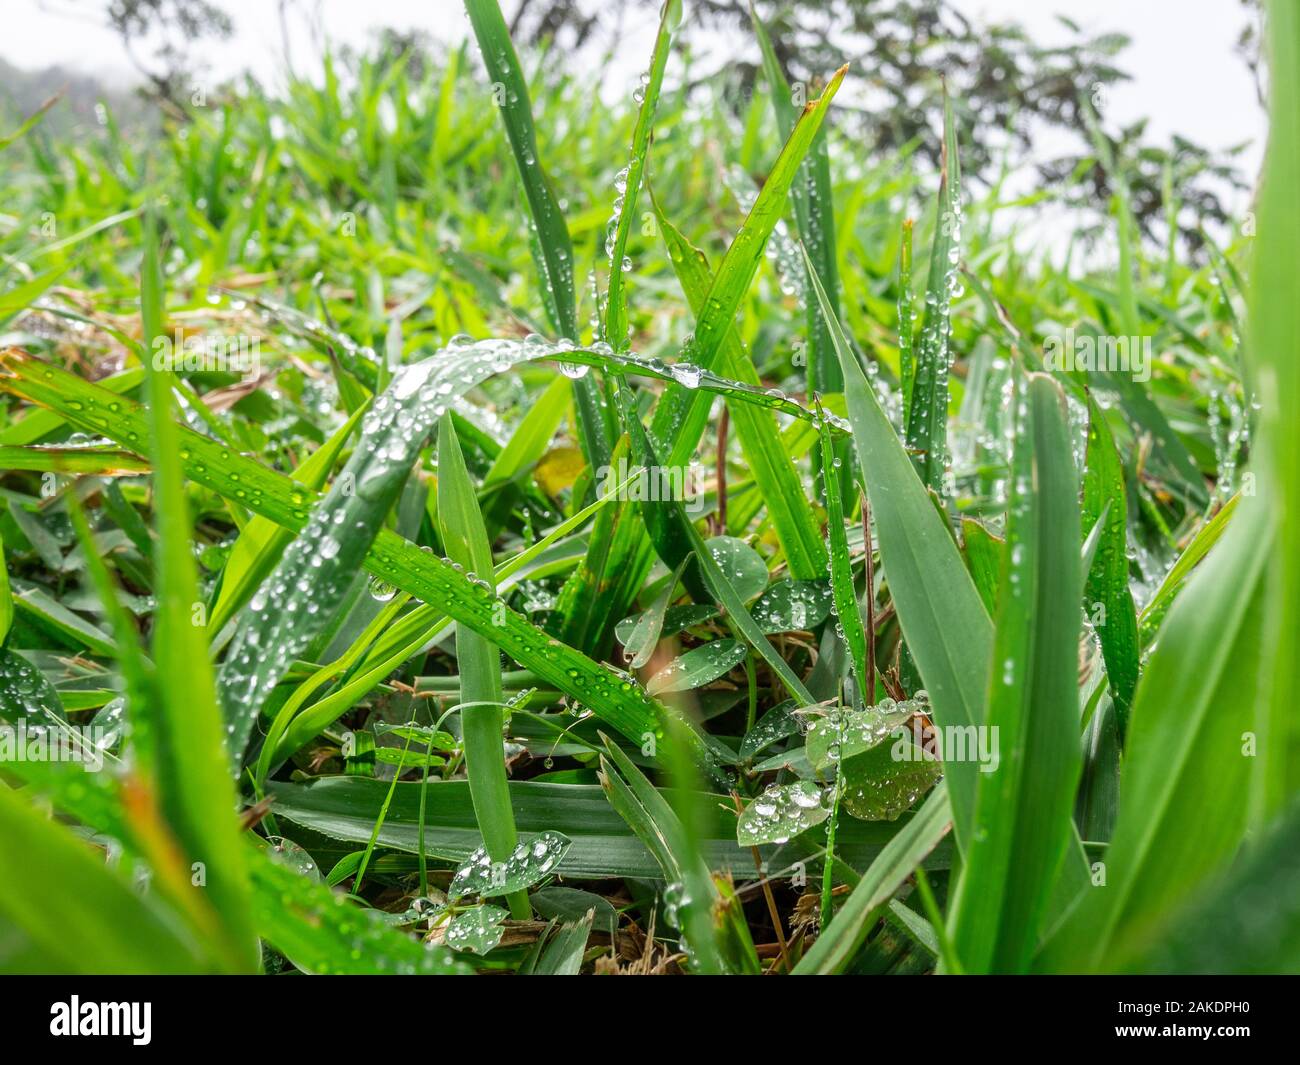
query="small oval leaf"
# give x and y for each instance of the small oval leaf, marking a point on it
(743, 566)
(530, 862)
(841, 734)
(782, 812)
(698, 667)
(887, 780)
(791, 605)
(477, 930)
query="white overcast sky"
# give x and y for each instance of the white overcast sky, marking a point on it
(1186, 78)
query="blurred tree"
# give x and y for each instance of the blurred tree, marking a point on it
(170, 28)
(1010, 89)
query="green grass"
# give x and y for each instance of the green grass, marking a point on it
(397, 652)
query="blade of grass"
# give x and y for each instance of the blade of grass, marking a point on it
(939, 610)
(1024, 802)
(479, 662)
(195, 793)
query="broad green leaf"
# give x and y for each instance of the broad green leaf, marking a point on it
(777, 724)
(676, 619)
(886, 780)
(789, 606)
(842, 733)
(743, 566)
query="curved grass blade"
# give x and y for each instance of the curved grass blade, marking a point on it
(778, 481)
(682, 410)
(297, 602)
(261, 542)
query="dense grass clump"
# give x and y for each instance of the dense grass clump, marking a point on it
(452, 523)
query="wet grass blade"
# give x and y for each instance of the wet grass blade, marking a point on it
(549, 235)
(1182, 812)
(345, 809)
(399, 562)
(1107, 583)
(322, 932)
(814, 208)
(464, 538)
(927, 414)
(262, 542)
(68, 913)
(940, 612)
(1023, 803)
(1275, 347)
(847, 611)
(1220, 935)
(1206, 537)
(774, 472)
(680, 409)
(196, 796)
(616, 319)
